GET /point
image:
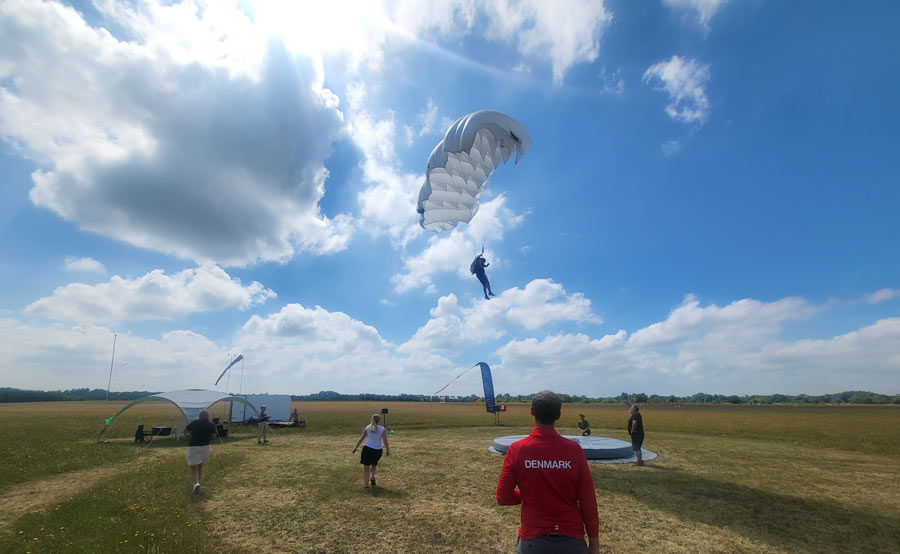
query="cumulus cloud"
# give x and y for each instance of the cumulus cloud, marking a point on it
(454, 250)
(542, 302)
(565, 33)
(176, 139)
(729, 349)
(58, 356)
(734, 348)
(154, 296)
(684, 81)
(388, 202)
(87, 265)
(314, 349)
(703, 10)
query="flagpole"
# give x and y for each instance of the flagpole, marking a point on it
(241, 388)
(228, 379)
(109, 383)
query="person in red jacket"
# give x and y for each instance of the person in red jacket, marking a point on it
(555, 486)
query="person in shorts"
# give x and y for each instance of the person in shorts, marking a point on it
(636, 430)
(202, 431)
(373, 435)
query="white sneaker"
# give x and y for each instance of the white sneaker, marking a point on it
(196, 488)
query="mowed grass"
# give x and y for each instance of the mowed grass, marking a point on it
(728, 479)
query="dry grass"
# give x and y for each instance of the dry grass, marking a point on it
(728, 479)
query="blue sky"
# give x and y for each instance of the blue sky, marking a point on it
(709, 202)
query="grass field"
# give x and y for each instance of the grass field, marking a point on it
(728, 479)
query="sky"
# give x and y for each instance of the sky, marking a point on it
(709, 202)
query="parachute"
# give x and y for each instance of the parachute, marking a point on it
(461, 163)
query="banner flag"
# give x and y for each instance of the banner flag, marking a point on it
(236, 360)
(488, 387)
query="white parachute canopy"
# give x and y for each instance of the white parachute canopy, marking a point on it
(461, 163)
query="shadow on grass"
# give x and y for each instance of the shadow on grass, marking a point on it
(783, 521)
(381, 492)
(169, 443)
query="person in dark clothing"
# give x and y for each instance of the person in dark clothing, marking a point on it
(477, 267)
(202, 432)
(584, 425)
(636, 430)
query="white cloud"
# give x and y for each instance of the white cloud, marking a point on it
(388, 203)
(671, 147)
(87, 265)
(684, 82)
(702, 9)
(312, 349)
(454, 251)
(612, 83)
(184, 139)
(882, 295)
(57, 356)
(428, 119)
(540, 303)
(154, 296)
(564, 32)
(731, 349)
(736, 348)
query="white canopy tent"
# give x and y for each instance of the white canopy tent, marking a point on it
(188, 401)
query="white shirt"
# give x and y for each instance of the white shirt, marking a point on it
(373, 438)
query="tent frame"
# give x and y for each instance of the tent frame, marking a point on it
(156, 398)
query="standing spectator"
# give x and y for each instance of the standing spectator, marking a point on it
(373, 435)
(555, 486)
(636, 430)
(202, 432)
(584, 425)
(263, 426)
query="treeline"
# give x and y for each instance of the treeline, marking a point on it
(330, 395)
(19, 395)
(848, 397)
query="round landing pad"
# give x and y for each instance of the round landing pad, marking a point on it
(600, 449)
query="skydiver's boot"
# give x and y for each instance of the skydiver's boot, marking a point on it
(491, 293)
(486, 297)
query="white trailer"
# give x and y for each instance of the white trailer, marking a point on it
(278, 406)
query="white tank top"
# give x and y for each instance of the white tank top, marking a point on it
(373, 439)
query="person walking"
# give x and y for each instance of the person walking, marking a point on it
(555, 487)
(373, 435)
(263, 426)
(636, 430)
(202, 431)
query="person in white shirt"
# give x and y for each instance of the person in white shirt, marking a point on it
(373, 435)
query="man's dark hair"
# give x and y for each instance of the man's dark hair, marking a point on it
(546, 407)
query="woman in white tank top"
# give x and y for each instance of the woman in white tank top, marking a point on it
(373, 435)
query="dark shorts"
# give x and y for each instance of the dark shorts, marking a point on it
(636, 442)
(556, 544)
(370, 456)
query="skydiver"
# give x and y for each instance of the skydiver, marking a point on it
(477, 267)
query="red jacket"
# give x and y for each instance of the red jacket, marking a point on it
(556, 488)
